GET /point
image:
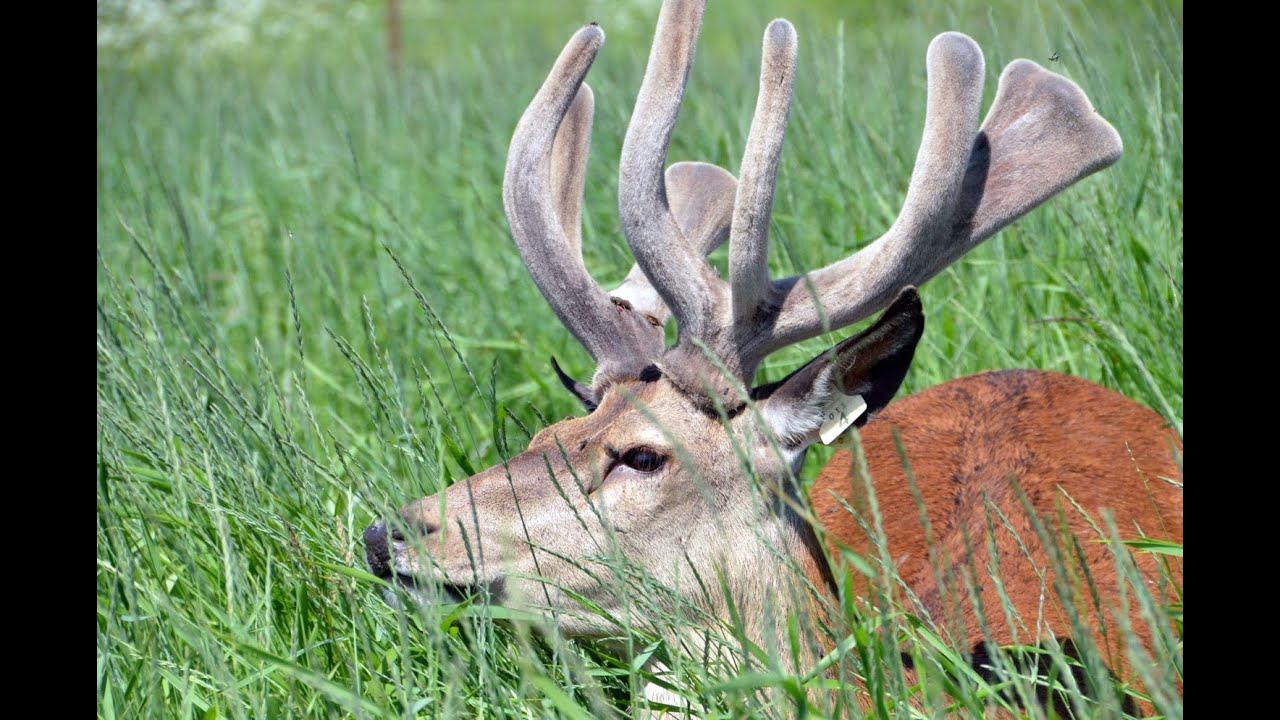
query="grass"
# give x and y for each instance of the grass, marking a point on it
(269, 382)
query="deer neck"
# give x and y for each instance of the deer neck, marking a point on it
(779, 575)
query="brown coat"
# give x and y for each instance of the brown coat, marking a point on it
(1062, 439)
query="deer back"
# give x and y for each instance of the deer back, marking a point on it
(1073, 448)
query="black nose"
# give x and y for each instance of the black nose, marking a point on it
(376, 549)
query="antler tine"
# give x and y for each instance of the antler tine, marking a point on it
(569, 166)
(749, 237)
(701, 196)
(1040, 136)
(548, 149)
(955, 69)
(679, 273)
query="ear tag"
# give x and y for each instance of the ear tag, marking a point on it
(839, 415)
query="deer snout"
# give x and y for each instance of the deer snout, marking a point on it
(376, 549)
(380, 545)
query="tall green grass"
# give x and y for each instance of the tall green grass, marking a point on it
(270, 381)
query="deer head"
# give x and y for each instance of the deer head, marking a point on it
(658, 469)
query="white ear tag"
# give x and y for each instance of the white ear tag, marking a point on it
(840, 415)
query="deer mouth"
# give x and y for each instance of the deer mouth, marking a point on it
(402, 580)
(420, 589)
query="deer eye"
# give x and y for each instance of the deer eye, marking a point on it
(643, 459)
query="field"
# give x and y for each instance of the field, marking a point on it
(310, 311)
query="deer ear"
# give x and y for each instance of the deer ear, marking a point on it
(847, 384)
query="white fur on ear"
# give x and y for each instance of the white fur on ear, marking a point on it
(845, 384)
(797, 422)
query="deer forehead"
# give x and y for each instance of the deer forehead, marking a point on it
(632, 414)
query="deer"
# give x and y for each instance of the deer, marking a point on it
(677, 446)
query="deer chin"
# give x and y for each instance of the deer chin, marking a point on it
(432, 584)
(435, 588)
(414, 591)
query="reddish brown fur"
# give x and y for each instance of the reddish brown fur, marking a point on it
(1058, 436)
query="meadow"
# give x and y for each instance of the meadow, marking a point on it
(310, 311)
